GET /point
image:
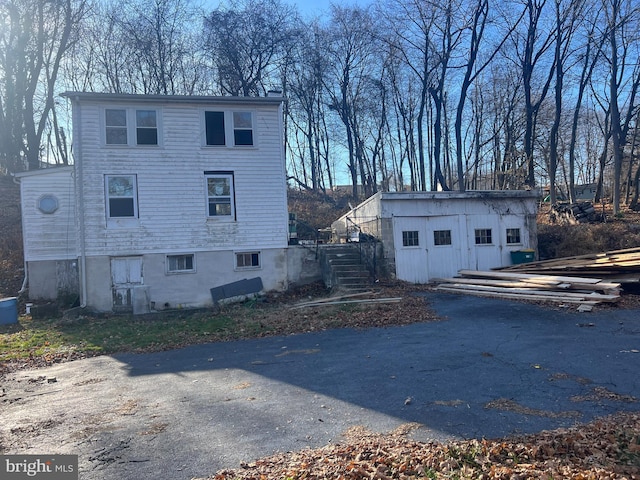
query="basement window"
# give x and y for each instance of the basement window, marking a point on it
(483, 236)
(410, 238)
(247, 260)
(180, 263)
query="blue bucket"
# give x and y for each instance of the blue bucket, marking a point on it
(8, 310)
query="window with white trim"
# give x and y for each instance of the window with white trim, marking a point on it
(513, 236)
(122, 196)
(129, 126)
(442, 237)
(228, 128)
(146, 127)
(181, 263)
(483, 236)
(247, 260)
(242, 128)
(220, 194)
(214, 128)
(115, 121)
(410, 238)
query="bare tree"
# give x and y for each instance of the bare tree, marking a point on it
(34, 38)
(622, 33)
(247, 42)
(567, 14)
(352, 58)
(307, 108)
(531, 47)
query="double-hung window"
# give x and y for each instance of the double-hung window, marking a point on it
(122, 196)
(128, 126)
(242, 128)
(146, 127)
(214, 128)
(220, 194)
(228, 128)
(115, 126)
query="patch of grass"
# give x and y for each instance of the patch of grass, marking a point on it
(90, 336)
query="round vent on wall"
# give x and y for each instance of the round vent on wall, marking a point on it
(48, 203)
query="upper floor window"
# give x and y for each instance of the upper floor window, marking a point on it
(116, 126)
(214, 128)
(242, 128)
(146, 127)
(220, 195)
(118, 121)
(122, 196)
(228, 128)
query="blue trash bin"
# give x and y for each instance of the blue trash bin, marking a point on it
(8, 310)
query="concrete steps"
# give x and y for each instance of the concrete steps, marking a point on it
(343, 268)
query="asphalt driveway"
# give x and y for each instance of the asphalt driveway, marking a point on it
(490, 368)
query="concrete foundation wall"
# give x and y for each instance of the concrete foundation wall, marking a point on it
(186, 289)
(53, 280)
(302, 265)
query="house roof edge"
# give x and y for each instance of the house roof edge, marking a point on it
(142, 98)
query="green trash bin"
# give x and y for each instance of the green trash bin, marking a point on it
(522, 256)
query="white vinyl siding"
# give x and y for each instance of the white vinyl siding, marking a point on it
(172, 194)
(49, 236)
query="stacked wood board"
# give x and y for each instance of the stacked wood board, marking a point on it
(582, 291)
(621, 266)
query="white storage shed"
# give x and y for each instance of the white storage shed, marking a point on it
(430, 235)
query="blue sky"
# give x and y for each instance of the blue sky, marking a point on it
(310, 8)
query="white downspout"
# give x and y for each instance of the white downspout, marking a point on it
(23, 287)
(77, 142)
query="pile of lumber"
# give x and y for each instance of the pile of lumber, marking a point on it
(573, 213)
(582, 291)
(622, 266)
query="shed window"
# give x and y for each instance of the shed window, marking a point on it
(513, 235)
(410, 238)
(442, 237)
(483, 236)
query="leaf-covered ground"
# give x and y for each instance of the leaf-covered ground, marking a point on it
(608, 448)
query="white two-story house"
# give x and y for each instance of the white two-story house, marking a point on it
(168, 197)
